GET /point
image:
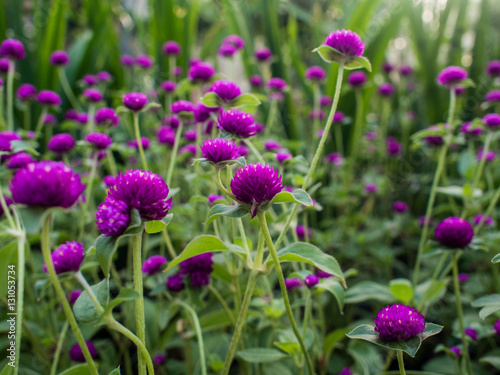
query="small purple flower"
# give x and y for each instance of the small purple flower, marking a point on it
(301, 232)
(338, 118)
(127, 60)
(357, 79)
(493, 96)
(75, 293)
(325, 101)
(399, 322)
(175, 283)
(20, 160)
(145, 142)
(281, 157)
(346, 371)
(190, 135)
(6, 137)
(135, 101)
(386, 90)
(144, 61)
(451, 76)
(399, 207)
(243, 150)
(493, 68)
(191, 148)
(89, 80)
(322, 274)
(144, 191)
(315, 73)
(263, 54)
(466, 129)
(59, 58)
(256, 184)
(496, 327)
(488, 221)
(334, 158)
(227, 50)
(70, 115)
(112, 216)
(103, 76)
(76, 353)
(234, 40)
(311, 281)
(109, 181)
(49, 119)
(159, 359)
(202, 113)
(12, 49)
(472, 333)
(82, 118)
(421, 221)
(182, 107)
(489, 156)
(272, 146)
(92, 95)
(293, 283)
(172, 121)
(256, 81)
(171, 48)
(48, 98)
(454, 232)
(4, 65)
(387, 67)
(238, 123)
(276, 84)
(405, 70)
(371, 188)
(198, 268)
(226, 90)
(434, 140)
(463, 277)
(61, 143)
(100, 141)
(166, 135)
(347, 42)
(212, 198)
(26, 92)
(168, 86)
(153, 264)
(492, 121)
(456, 350)
(218, 150)
(201, 72)
(394, 148)
(67, 257)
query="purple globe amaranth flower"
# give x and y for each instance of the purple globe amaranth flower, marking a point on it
(172, 121)
(190, 135)
(271, 145)
(103, 76)
(202, 113)
(334, 158)
(421, 221)
(386, 90)
(26, 92)
(371, 188)
(387, 67)
(61, 143)
(399, 322)
(5, 65)
(145, 142)
(237, 123)
(159, 359)
(219, 149)
(49, 119)
(12, 49)
(127, 60)
(492, 121)
(489, 156)
(106, 117)
(463, 277)
(322, 274)
(144, 191)
(346, 371)
(198, 268)
(493, 96)
(399, 207)
(191, 148)
(293, 283)
(135, 101)
(182, 107)
(6, 137)
(451, 76)
(281, 157)
(487, 221)
(256, 184)
(112, 216)
(48, 98)
(76, 353)
(168, 86)
(46, 184)
(467, 129)
(166, 135)
(454, 232)
(263, 54)
(175, 283)
(59, 58)
(20, 160)
(357, 79)
(153, 264)
(311, 281)
(67, 257)
(227, 50)
(89, 80)
(212, 198)
(100, 141)
(226, 90)
(92, 95)
(234, 40)
(472, 333)
(256, 81)
(325, 101)
(144, 61)
(82, 118)
(405, 70)
(171, 48)
(276, 84)
(434, 140)
(338, 118)
(456, 350)
(75, 293)
(493, 68)
(315, 73)
(347, 42)
(71, 115)
(301, 232)
(243, 150)
(201, 72)
(496, 327)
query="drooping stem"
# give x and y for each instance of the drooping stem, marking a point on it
(60, 342)
(139, 141)
(67, 90)
(173, 156)
(139, 302)
(460, 314)
(281, 279)
(61, 296)
(401, 362)
(10, 95)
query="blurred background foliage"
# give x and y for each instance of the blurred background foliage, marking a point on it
(426, 34)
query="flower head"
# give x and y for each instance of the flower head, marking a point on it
(315, 73)
(256, 81)
(112, 216)
(237, 123)
(347, 42)
(182, 106)
(301, 232)
(103, 76)
(226, 90)
(12, 49)
(293, 283)
(322, 274)
(234, 40)
(487, 221)
(135, 101)
(371, 188)
(467, 129)
(472, 333)
(405, 70)
(493, 96)
(400, 207)
(172, 121)
(127, 60)
(496, 327)
(19, 160)
(49, 119)
(171, 48)
(26, 92)
(493, 68)
(394, 148)
(6, 137)
(456, 350)
(311, 281)
(168, 86)
(144, 61)
(159, 359)
(454, 232)
(89, 80)
(76, 353)
(263, 54)
(145, 143)
(153, 264)
(227, 50)
(488, 156)
(201, 72)
(276, 84)
(334, 158)
(61, 143)
(386, 90)
(59, 58)
(338, 117)
(106, 117)
(271, 145)
(357, 79)
(75, 293)
(166, 135)
(92, 95)
(399, 322)
(451, 76)
(48, 98)
(212, 198)
(202, 113)
(100, 141)
(67, 257)
(325, 101)
(175, 283)
(281, 157)
(219, 149)
(198, 268)
(492, 121)
(346, 371)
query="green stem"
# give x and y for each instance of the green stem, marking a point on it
(488, 211)
(270, 118)
(358, 122)
(67, 90)
(139, 142)
(401, 362)
(111, 162)
(199, 335)
(61, 296)
(2, 120)
(10, 95)
(223, 303)
(339, 142)
(79, 277)
(6, 210)
(139, 302)
(171, 65)
(20, 294)
(384, 125)
(91, 114)
(256, 152)
(168, 242)
(221, 186)
(174, 153)
(27, 116)
(281, 279)
(41, 119)
(456, 285)
(479, 170)
(307, 312)
(60, 342)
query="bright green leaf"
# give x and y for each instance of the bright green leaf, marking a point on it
(156, 226)
(82, 369)
(220, 209)
(359, 62)
(333, 286)
(245, 100)
(211, 100)
(296, 196)
(402, 290)
(84, 308)
(368, 290)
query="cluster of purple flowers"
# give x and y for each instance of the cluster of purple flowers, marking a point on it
(198, 268)
(398, 322)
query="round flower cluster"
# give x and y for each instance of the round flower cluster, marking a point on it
(67, 257)
(76, 353)
(226, 90)
(112, 216)
(293, 283)
(347, 42)
(451, 76)
(237, 123)
(100, 141)
(61, 143)
(153, 264)
(219, 149)
(454, 232)
(135, 101)
(171, 48)
(399, 322)
(198, 268)
(106, 117)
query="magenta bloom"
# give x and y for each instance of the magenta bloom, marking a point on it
(144, 191)
(347, 42)
(263, 54)
(243, 150)
(463, 277)
(316, 114)
(166, 135)
(234, 40)
(325, 101)
(451, 76)
(334, 158)
(89, 80)
(496, 327)
(67, 257)
(191, 148)
(106, 117)
(346, 371)
(6, 137)
(202, 113)
(387, 67)
(227, 50)
(181, 107)
(144, 61)
(49, 98)
(212, 198)
(493, 68)
(487, 221)
(394, 148)
(493, 96)
(112, 216)
(26, 92)
(201, 72)
(272, 146)
(405, 70)
(219, 149)
(293, 283)
(276, 84)
(434, 140)
(49, 119)
(190, 135)
(256, 81)
(175, 283)
(311, 281)
(400, 207)
(198, 268)
(12, 49)
(59, 58)
(135, 101)
(127, 60)
(74, 296)
(237, 123)
(386, 90)
(456, 350)
(145, 142)
(357, 79)
(171, 48)
(100, 141)
(466, 129)
(109, 181)
(168, 86)
(226, 90)
(256, 184)
(371, 188)
(76, 353)
(315, 73)
(454, 232)
(472, 333)
(399, 322)
(171, 120)
(153, 264)
(338, 118)
(4, 65)
(282, 156)
(492, 121)
(322, 274)
(92, 95)
(301, 232)
(103, 76)
(61, 143)
(489, 156)
(20, 160)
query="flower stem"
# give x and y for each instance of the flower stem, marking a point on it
(67, 90)
(358, 123)
(39, 124)
(401, 362)
(479, 170)
(60, 342)
(456, 285)
(223, 303)
(10, 96)
(139, 142)
(256, 152)
(139, 302)
(168, 242)
(281, 279)
(61, 296)
(2, 119)
(111, 162)
(27, 116)
(21, 242)
(173, 156)
(91, 115)
(488, 211)
(79, 277)
(384, 125)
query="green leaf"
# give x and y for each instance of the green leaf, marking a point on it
(156, 226)
(32, 217)
(260, 355)
(359, 62)
(126, 294)
(333, 286)
(200, 245)
(26, 146)
(492, 360)
(333, 338)
(489, 304)
(496, 258)
(329, 54)
(8, 257)
(368, 290)
(150, 105)
(84, 308)
(245, 100)
(220, 209)
(7, 370)
(402, 290)
(366, 332)
(211, 100)
(116, 371)
(459, 191)
(77, 370)
(307, 253)
(296, 196)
